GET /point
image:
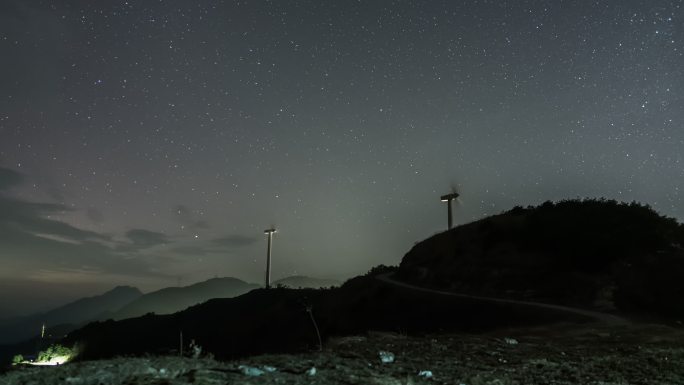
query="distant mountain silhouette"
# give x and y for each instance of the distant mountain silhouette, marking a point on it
(173, 299)
(590, 253)
(75, 314)
(302, 282)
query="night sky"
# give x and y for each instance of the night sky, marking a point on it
(150, 143)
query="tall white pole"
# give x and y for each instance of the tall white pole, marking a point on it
(269, 232)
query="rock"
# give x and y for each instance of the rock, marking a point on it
(251, 371)
(511, 341)
(386, 357)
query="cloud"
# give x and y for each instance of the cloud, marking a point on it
(215, 246)
(146, 238)
(27, 251)
(9, 178)
(193, 251)
(54, 192)
(94, 215)
(31, 238)
(34, 218)
(234, 241)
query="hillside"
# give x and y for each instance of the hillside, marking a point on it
(278, 320)
(590, 253)
(299, 281)
(75, 314)
(173, 299)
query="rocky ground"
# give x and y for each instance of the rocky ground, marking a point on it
(559, 354)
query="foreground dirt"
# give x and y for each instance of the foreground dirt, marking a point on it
(560, 354)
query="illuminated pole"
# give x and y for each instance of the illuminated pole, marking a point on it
(448, 198)
(269, 232)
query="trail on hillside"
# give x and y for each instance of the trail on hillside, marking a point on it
(599, 316)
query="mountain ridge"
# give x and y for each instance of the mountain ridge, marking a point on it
(77, 312)
(172, 299)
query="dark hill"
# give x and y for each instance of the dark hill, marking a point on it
(173, 299)
(75, 313)
(587, 253)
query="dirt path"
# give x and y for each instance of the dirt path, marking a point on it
(599, 316)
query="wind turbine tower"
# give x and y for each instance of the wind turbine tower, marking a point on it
(269, 232)
(448, 198)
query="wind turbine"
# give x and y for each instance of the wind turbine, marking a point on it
(448, 198)
(269, 232)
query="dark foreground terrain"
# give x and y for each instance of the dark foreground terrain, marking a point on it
(557, 354)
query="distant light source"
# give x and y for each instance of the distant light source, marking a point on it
(448, 198)
(269, 232)
(54, 361)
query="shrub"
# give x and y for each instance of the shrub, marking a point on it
(380, 269)
(55, 351)
(18, 359)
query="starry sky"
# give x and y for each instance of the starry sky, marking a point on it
(150, 143)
